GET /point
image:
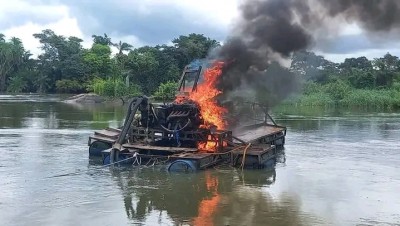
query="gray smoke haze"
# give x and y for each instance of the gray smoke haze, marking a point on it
(269, 31)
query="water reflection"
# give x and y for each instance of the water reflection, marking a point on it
(212, 197)
(53, 115)
(344, 124)
(185, 198)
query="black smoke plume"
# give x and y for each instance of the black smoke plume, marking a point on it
(269, 31)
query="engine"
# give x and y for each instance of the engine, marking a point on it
(171, 117)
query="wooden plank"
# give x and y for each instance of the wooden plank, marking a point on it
(262, 131)
(256, 150)
(113, 129)
(159, 148)
(102, 138)
(194, 156)
(255, 156)
(107, 133)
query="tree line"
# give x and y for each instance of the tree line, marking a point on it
(358, 72)
(354, 82)
(64, 66)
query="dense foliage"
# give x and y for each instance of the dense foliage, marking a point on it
(66, 67)
(355, 82)
(166, 91)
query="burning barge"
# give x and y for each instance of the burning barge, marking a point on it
(189, 134)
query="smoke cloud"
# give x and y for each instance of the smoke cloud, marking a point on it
(269, 31)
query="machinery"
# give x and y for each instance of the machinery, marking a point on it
(175, 124)
(174, 132)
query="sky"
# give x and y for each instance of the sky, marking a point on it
(150, 22)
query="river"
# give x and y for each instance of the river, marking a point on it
(339, 167)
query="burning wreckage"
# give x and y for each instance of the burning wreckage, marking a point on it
(191, 133)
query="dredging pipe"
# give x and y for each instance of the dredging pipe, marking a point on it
(117, 146)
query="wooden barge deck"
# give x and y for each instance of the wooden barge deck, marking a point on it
(262, 140)
(181, 133)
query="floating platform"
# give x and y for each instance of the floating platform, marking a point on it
(254, 157)
(263, 134)
(253, 147)
(187, 137)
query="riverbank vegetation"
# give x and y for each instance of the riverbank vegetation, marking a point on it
(357, 82)
(64, 66)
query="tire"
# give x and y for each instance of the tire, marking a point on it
(97, 147)
(182, 166)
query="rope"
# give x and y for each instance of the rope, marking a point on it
(244, 155)
(77, 173)
(138, 160)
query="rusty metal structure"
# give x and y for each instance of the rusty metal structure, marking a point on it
(171, 133)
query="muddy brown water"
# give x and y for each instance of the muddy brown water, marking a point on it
(339, 167)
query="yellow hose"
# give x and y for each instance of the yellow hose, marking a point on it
(244, 155)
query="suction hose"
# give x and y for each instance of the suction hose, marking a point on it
(117, 146)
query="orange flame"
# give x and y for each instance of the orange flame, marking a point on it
(211, 144)
(208, 207)
(205, 96)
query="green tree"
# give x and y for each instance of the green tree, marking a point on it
(142, 66)
(384, 79)
(22, 78)
(387, 63)
(98, 60)
(102, 40)
(361, 79)
(338, 89)
(169, 69)
(122, 46)
(69, 86)
(386, 69)
(72, 65)
(312, 67)
(191, 47)
(361, 63)
(122, 59)
(166, 91)
(11, 59)
(62, 60)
